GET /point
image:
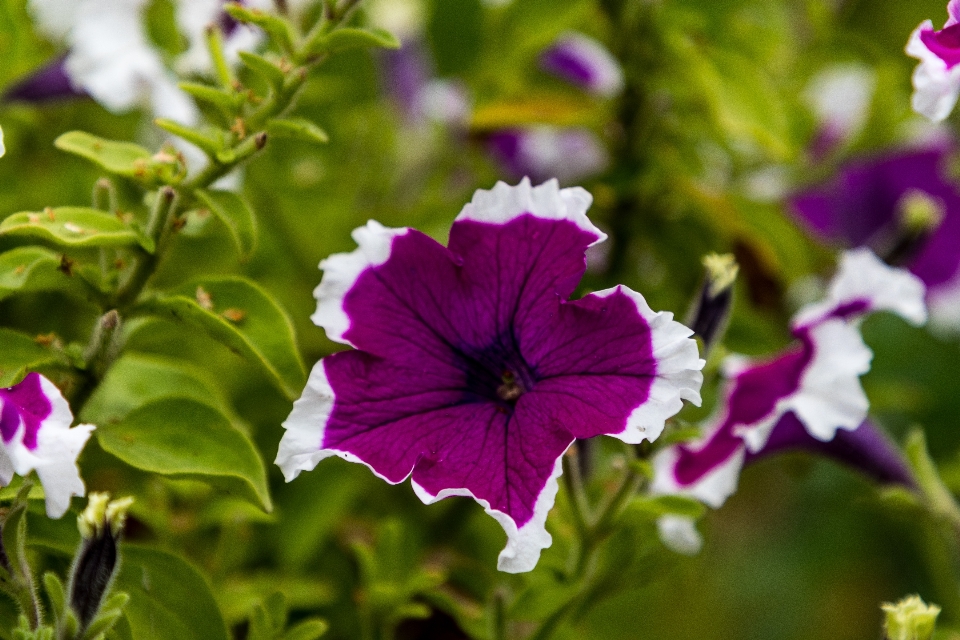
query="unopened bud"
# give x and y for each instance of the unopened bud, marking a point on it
(919, 215)
(101, 525)
(910, 619)
(711, 310)
(103, 346)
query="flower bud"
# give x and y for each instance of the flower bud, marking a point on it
(712, 308)
(101, 526)
(910, 619)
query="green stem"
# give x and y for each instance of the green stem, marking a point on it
(594, 531)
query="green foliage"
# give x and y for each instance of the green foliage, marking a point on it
(236, 214)
(153, 437)
(120, 158)
(245, 318)
(74, 227)
(169, 598)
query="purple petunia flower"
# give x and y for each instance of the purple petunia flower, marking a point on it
(867, 205)
(936, 80)
(584, 62)
(545, 152)
(35, 424)
(473, 372)
(804, 397)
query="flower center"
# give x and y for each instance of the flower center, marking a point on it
(511, 389)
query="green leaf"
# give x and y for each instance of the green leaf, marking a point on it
(275, 26)
(20, 353)
(122, 158)
(352, 38)
(307, 630)
(228, 102)
(25, 269)
(210, 140)
(267, 70)
(169, 598)
(236, 214)
(74, 227)
(245, 318)
(137, 379)
(184, 438)
(298, 129)
(669, 505)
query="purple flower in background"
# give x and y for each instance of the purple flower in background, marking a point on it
(545, 152)
(840, 98)
(804, 397)
(936, 80)
(869, 204)
(473, 372)
(419, 96)
(584, 62)
(35, 424)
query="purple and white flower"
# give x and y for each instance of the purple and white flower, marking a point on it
(584, 62)
(867, 204)
(840, 98)
(36, 436)
(808, 396)
(110, 58)
(936, 80)
(3, 149)
(473, 372)
(543, 152)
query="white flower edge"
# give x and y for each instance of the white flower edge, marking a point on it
(525, 543)
(936, 88)
(503, 203)
(3, 149)
(679, 534)
(862, 276)
(341, 271)
(712, 489)
(829, 396)
(606, 75)
(300, 450)
(944, 303)
(55, 456)
(678, 378)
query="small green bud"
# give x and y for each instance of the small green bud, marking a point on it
(910, 619)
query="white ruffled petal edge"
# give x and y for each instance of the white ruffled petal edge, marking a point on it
(54, 458)
(525, 543)
(503, 203)
(935, 88)
(300, 451)
(678, 377)
(340, 273)
(712, 489)
(829, 396)
(862, 276)
(679, 534)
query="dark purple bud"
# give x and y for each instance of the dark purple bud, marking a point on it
(710, 312)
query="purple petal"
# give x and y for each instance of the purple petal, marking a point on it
(406, 71)
(861, 207)
(474, 373)
(866, 449)
(48, 83)
(35, 424)
(584, 62)
(945, 44)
